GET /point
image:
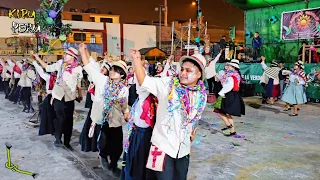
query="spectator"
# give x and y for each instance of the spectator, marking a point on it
(256, 45)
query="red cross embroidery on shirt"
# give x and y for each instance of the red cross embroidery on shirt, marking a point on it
(155, 153)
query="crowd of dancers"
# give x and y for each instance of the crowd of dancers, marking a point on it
(161, 109)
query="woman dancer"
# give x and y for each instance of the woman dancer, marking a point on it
(294, 93)
(28, 75)
(229, 102)
(47, 113)
(90, 143)
(109, 110)
(137, 145)
(270, 80)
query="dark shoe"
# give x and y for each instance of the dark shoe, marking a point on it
(226, 128)
(293, 114)
(68, 146)
(288, 109)
(14, 102)
(26, 111)
(57, 144)
(104, 163)
(231, 134)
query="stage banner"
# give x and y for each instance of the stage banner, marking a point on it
(252, 73)
(300, 24)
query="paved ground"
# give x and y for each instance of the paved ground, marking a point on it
(274, 146)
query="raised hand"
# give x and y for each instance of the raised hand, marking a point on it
(135, 54)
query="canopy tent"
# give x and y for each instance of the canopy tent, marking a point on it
(255, 4)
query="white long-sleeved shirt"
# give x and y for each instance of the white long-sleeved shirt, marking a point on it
(116, 112)
(66, 83)
(226, 87)
(172, 69)
(211, 69)
(11, 64)
(293, 77)
(26, 78)
(168, 135)
(143, 94)
(45, 76)
(6, 68)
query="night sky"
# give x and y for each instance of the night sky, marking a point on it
(218, 13)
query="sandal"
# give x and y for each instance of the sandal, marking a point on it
(231, 134)
(226, 128)
(288, 109)
(293, 114)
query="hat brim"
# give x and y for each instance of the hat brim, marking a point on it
(116, 63)
(71, 54)
(233, 65)
(183, 58)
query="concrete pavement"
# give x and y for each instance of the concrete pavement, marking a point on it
(273, 146)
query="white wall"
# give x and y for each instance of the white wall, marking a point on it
(137, 37)
(113, 39)
(6, 25)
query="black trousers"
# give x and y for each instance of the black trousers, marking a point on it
(6, 88)
(110, 143)
(13, 91)
(63, 123)
(210, 84)
(175, 169)
(1, 84)
(26, 94)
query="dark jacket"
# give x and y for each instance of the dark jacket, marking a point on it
(257, 43)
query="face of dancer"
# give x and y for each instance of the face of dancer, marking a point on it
(231, 68)
(68, 59)
(226, 66)
(159, 68)
(189, 74)
(114, 75)
(131, 70)
(104, 71)
(296, 67)
(146, 65)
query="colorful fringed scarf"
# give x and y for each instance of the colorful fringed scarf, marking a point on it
(182, 100)
(130, 126)
(230, 73)
(112, 91)
(69, 66)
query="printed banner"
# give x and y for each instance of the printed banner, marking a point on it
(301, 24)
(252, 73)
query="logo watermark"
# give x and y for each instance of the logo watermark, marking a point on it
(23, 27)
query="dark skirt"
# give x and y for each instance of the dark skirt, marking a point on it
(89, 102)
(132, 94)
(217, 86)
(136, 159)
(232, 104)
(88, 144)
(47, 117)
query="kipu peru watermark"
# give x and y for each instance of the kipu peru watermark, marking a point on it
(23, 27)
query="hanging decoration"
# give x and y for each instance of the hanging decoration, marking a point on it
(48, 17)
(273, 20)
